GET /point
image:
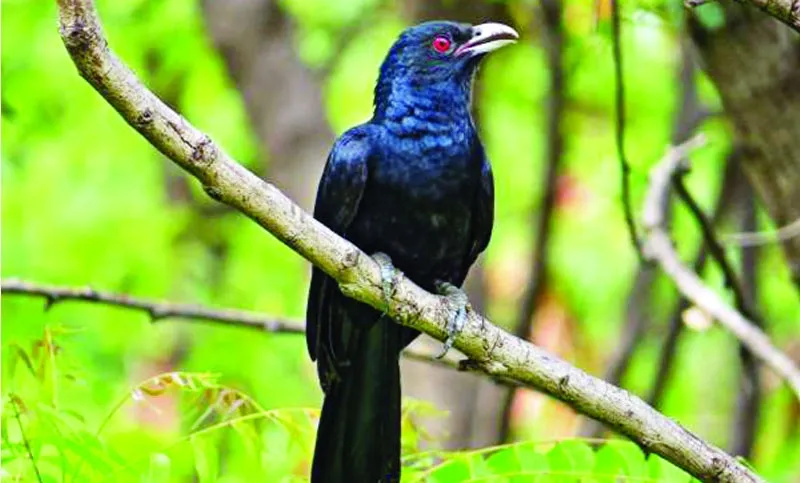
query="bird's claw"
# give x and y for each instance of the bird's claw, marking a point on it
(458, 319)
(389, 275)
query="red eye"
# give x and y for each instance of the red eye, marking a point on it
(441, 44)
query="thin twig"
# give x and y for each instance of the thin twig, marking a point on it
(619, 102)
(715, 249)
(675, 326)
(638, 312)
(156, 310)
(669, 347)
(659, 247)
(749, 396)
(554, 40)
(686, 122)
(757, 238)
(490, 349)
(161, 310)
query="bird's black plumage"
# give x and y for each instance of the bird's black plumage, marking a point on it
(413, 183)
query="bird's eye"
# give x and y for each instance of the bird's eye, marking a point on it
(441, 44)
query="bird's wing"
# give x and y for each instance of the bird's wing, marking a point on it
(338, 197)
(482, 211)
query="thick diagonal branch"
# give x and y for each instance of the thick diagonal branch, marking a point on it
(489, 348)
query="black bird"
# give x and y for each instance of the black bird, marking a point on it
(414, 187)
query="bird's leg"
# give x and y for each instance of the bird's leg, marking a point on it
(389, 275)
(458, 319)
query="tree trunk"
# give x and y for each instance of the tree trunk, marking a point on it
(754, 61)
(283, 98)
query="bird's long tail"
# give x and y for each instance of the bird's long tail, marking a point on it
(358, 439)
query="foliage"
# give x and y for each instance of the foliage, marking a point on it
(46, 439)
(85, 200)
(576, 460)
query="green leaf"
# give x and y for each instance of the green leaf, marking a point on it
(457, 469)
(711, 15)
(504, 461)
(619, 457)
(205, 458)
(477, 466)
(159, 468)
(570, 457)
(18, 354)
(664, 471)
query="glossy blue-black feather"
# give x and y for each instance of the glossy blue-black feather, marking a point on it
(338, 196)
(415, 184)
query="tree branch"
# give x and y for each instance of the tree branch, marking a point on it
(715, 249)
(749, 396)
(756, 238)
(659, 247)
(160, 310)
(731, 178)
(156, 310)
(787, 11)
(638, 314)
(490, 349)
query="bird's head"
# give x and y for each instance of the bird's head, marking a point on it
(439, 54)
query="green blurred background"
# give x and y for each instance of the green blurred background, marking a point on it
(87, 201)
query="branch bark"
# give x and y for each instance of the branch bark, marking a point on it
(490, 349)
(659, 247)
(787, 11)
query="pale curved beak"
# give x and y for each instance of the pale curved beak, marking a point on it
(488, 37)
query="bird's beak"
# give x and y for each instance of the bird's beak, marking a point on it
(487, 37)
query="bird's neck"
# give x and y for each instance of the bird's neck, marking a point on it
(437, 103)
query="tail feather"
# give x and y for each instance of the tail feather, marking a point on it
(358, 439)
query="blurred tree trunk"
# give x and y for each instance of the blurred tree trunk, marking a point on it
(282, 96)
(755, 63)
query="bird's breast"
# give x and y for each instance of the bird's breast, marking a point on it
(418, 210)
(430, 164)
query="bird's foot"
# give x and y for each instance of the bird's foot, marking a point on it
(389, 276)
(458, 318)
